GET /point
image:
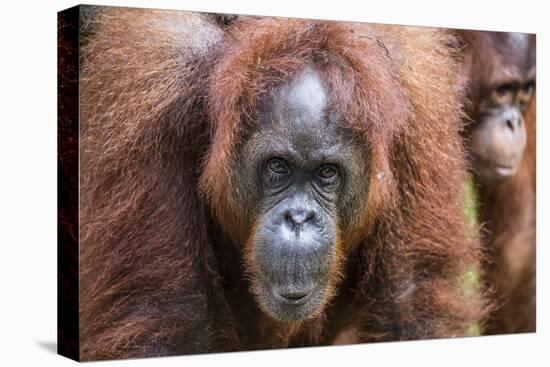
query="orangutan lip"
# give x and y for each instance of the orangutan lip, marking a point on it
(504, 170)
(501, 170)
(295, 297)
(288, 295)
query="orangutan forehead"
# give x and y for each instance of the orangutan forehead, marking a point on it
(518, 41)
(514, 49)
(299, 101)
(304, 94)
(296, 114)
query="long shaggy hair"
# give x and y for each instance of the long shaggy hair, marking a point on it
(507, 209)
(167, 97)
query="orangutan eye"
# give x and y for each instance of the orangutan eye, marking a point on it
(526, 91)
(278, 166)
(525, 94)
(504, 93)
(504, 89)
(327, 171)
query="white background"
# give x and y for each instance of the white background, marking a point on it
(28, 183)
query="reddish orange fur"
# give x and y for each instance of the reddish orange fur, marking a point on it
(160, 275)
(263, 52)
(148, 278)
(508, 211)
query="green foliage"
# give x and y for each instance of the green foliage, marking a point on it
(470, 204)
(469, 280)
(473, 330)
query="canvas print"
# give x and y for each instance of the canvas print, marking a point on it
(236, 183)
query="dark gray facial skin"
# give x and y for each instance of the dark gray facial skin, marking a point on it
(300, 176)
(498, 139)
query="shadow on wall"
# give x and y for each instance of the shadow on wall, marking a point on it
(50, 346)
